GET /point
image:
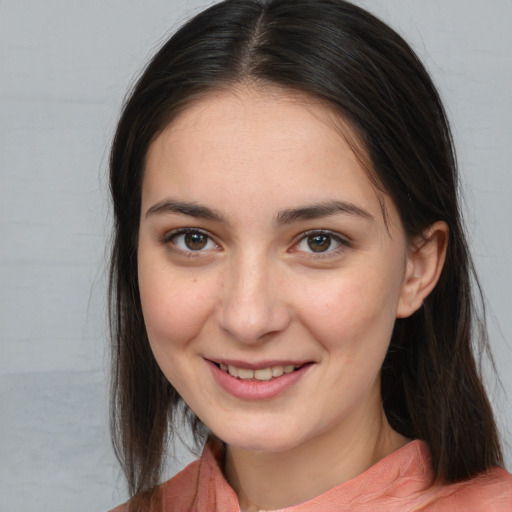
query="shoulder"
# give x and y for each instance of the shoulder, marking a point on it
(181, 491)
(178, 493)
(405, 484)
(490, 492)
(199, 487)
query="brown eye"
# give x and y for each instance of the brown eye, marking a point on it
(191, 241)
(195, 241)
(319, 243)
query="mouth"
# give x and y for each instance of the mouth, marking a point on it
(260, 374)
(258, 381)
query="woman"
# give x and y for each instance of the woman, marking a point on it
(290, 272)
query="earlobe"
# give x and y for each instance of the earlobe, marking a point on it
(424, 265)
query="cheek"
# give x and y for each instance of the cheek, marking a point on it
(175, 306)
(351, 313)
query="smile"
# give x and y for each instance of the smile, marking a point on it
(261, 374)
(263, 381)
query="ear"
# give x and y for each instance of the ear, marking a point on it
(425, 262)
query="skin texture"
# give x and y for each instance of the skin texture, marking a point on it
(253, 290)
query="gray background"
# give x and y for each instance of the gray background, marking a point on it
(64, 68)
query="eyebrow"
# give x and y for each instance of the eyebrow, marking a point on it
(186, 208)
(288, 216)
(324, 209)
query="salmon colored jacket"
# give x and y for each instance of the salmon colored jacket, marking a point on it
(400, 483)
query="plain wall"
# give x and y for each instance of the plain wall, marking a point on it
(65, 66)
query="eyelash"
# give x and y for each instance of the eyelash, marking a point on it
(170, 237)
(343, 243)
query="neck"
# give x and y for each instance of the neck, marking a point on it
(269, 481)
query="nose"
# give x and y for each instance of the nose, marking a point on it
(252, 306)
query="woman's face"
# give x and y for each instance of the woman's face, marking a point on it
(269, 280)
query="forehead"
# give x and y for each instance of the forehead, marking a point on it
(248, 110)
(265, 145)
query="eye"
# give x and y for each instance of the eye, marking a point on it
(190, 240)
(320, 242)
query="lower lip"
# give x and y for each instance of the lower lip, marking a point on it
(254, 389)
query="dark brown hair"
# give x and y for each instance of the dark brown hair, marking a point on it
(338, 53)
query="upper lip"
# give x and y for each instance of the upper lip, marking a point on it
(258, 365)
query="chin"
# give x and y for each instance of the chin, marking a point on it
(260, 438)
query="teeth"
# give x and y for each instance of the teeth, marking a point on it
(277, 371)
(245, 373)
(261, 374)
